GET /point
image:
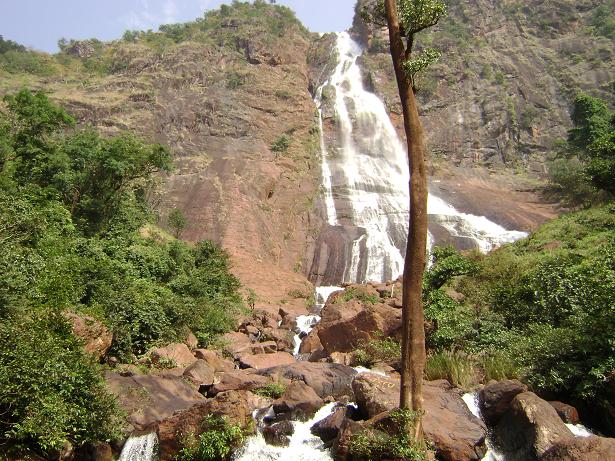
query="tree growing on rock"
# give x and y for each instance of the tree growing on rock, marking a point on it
(405, 19)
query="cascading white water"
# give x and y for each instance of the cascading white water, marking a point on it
(303, 445)
(140, 448)
(370, 172)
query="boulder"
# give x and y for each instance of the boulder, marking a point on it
(191, 341)
(347, 335)
(214, 360)
(494, 399)
(455, 433)
(310, 343)
(529, 428)
(299, 401)
(267, 347)
(283, 338)
(327, 379)
(200, 372)
(96, 337)
(581, 449)
(277, 434)
(328, 428)
(263, 361)
(234, 341)
(234, 406)
(176, 353)
(239, 380)
(148, 399)
(568, 413)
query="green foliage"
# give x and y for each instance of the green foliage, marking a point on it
(388, 439)
(498, 366)
(271, 390)
(422, 61)
(281, 144)
(216, 442)
(454, 366)
(377, 350)
(603, 20)
(234, 80)
(50, 392)
(177, 221)
(358, 293)
(570, 181)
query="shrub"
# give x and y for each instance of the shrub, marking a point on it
(357, 293)
(376, 350)
(281, 145)
(272, 390)
(498, 366)
(454, 366)
(217, 441)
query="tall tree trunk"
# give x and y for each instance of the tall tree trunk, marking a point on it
(413, 340)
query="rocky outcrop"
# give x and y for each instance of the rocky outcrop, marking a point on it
(264, 361)
(173, 355)
(214, 360)
(529, 428)
(327, 379)
(581, 449)
(455, 433)
(200, 373)
(239, 380)
(96, 337)
(494, 399)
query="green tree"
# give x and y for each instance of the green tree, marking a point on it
(177, 222)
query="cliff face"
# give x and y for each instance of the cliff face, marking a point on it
(501, 93)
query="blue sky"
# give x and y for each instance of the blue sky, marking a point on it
(41, 23)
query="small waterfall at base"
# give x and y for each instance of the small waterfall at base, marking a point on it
(140, 448)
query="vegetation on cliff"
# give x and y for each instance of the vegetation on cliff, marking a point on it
(72, 237)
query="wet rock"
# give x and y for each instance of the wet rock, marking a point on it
(177, 354)
(568, 413)
(239, 380)
(277, 434)
(455, 433)
(327, 379)
(529, 428)
(96, 337)
(263, 361)
(214, 360)
(581, 449)
(328, 428)
(201, 373)
(494, 399)
(299, 401)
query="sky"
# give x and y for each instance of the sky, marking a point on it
(40, 24)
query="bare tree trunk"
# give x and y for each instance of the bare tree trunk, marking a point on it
(413, 340)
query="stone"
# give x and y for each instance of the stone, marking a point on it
(328, 428)
(266, 347)
(191, 341)
(234, 406)
(494, 399)
(455, 433)
(310, 343)
(327, 379)
(529, 428)
(148, 399)
(263, 361)
(234, 341)
(299, 401)
(200, 372)
(239, 380)
(568, 413)
(214, 360)
(581, 449)
(277, 434)
(176, 353)
(97, 338)
(283, 338)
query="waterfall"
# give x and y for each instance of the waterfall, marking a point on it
(140, 448)
(365, 178)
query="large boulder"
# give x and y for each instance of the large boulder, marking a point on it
(177, 354)
(299, 401)
(214, 360)
(327, 379)
(328, 428)
(234, 342)
(581, 449)
(234, 406)
(200, 373)
(239, 380)
(457, 435)
(263, 361)
(96, 337)
(529, 428)
(277, 434)
(494, 399)
(148, 399)
(568, 413)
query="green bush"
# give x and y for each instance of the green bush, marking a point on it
(357, 293)
(272, 390)
(217, 441)
(281, 145)
(386, 350)
(454, 366)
